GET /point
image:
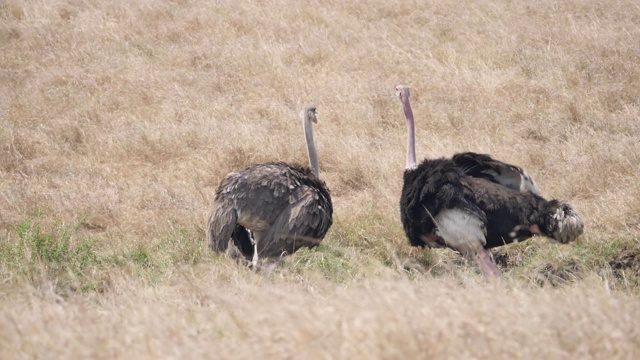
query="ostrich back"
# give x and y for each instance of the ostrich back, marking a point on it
(285, 203)
(485, 167)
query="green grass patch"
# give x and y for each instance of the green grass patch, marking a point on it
(74, 260)
(52, 253)
(366, 245)
(332, 262)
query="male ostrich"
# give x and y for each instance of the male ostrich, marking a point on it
(471, 203)
(273, 209)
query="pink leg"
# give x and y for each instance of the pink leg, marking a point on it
(487, 267)
(535, 229)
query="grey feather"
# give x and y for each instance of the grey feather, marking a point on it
(285, 202)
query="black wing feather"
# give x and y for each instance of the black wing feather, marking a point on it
(485, 167)
(434, 186)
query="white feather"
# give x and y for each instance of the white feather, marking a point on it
(461, 230)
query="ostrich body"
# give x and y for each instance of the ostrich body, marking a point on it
(273, 209)
(471, 203)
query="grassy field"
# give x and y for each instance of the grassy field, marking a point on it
(118, 119)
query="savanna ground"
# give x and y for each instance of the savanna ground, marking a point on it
(119, 118)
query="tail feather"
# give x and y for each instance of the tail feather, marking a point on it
(461, 229)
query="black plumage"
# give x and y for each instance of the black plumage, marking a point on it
(485, 167)
(507, 214)
(473, 202)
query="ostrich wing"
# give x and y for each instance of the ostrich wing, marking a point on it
(304, 222)
(221, 225)
(249, 199)
(506, 209)
(284, 203)
(433, 187)
(484, 166)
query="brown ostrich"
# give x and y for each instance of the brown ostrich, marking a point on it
(272, 210)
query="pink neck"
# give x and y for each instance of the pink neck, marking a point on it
(411, 133)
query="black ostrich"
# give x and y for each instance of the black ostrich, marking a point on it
(471, 203)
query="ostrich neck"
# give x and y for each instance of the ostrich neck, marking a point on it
(311, 147)
(411, 134)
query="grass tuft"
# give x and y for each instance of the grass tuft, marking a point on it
(54, 254)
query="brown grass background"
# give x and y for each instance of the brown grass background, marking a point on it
(121, 117)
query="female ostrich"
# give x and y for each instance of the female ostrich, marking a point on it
(471, 203)
(273, 209)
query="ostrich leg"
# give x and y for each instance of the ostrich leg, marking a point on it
(256, 238)
(487, 267)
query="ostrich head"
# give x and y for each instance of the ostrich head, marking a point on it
(310, 113)
(563, 223)
(403, 91)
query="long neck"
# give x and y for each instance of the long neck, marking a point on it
(311, 147)
(411, 133)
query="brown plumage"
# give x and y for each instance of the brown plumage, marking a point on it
(472, 202)
(273, 209)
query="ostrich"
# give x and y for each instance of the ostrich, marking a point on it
(472, 203)
(273, 209)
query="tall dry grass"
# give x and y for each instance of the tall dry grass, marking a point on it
(118, 120)
(244, 316)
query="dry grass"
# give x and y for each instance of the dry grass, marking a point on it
(118, 120)
(231, 316)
